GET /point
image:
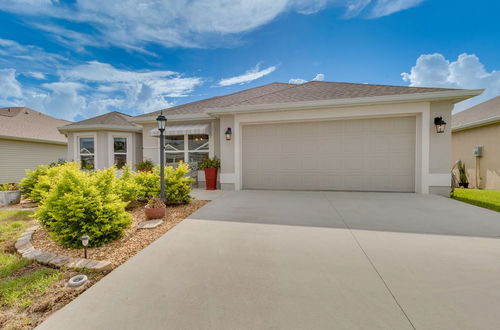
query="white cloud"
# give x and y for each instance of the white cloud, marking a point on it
(36, 75)
(388, 7)
(434, 70)
(135, 23)
(10, 87)
(247, 77)
(319, 77)
(298, 81)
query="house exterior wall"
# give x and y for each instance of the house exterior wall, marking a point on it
(489, 164)
(432, 156)
(17, 156)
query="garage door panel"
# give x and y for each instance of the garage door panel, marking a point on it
(368, 154)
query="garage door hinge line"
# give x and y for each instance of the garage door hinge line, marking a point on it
(370, 261)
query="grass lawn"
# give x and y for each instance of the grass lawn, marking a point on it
(489, 199)
(21, 281)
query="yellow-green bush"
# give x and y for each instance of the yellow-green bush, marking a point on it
(48, 180)
(126, 187)
(82, 203)
(28, 183)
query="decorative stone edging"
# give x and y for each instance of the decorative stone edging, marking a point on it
(25, 248)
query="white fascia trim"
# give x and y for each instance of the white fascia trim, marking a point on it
(76, 128)
(15, 138)
(484, 122)
(455, 96)
(186, 117)
(439, 180)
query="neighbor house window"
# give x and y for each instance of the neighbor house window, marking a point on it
(87, 153)
(120, 151)
(190, 148)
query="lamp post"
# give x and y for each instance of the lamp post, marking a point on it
(162, 122)
(85, 242)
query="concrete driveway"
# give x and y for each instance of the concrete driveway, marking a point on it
(307, 260)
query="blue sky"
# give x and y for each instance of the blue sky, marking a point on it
(79, 58)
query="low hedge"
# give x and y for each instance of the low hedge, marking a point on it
(489, 199)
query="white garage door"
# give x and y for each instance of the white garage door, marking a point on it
(358, 155)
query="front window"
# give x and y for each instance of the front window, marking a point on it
(190, 148)
(120, 151)
(87, 153)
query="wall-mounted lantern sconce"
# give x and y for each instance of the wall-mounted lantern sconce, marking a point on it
(228, 134)
(440, 124)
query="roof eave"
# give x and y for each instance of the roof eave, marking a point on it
(452, 95)
(18, 138)
(182, 117)
(98, 127)
(478, 123)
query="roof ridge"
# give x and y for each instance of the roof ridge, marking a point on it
(369, 84)
(251, 98)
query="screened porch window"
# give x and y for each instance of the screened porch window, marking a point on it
(87, 153)
(190, 148)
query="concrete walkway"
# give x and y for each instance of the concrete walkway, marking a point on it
(307, 260)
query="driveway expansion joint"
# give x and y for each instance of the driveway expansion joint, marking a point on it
(370, 261)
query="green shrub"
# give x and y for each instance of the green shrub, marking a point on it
(126, 187)
(9, 186)
(177, 185)
(208, 162)
(145, 165)
(48, 180)
(82, 203)
(148, 184)
(28, 183)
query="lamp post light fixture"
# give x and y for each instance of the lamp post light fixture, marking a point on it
(228, 134)
(440, 124)
(85, 242)
(162, 122)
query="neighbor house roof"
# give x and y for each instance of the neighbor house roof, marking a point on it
(27, 124)
(111, 120)
(283, 93)
(482, 114)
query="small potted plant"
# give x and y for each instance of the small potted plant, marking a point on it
(155, 208)
(210, 166)
(145, 165)
(9, 194)
(462, 175)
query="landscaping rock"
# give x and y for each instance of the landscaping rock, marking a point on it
(150, 224)
(45, 257)
(101, 266)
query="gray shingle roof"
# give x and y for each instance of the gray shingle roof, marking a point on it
(25, 123)
(285, 93)
(114, 118)
(478, 113)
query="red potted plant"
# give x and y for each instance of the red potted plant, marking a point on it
(210, 166)
(155, 209)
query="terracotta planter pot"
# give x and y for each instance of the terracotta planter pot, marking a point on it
(155, 213)
(211, 178)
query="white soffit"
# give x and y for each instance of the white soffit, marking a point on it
(183, 129)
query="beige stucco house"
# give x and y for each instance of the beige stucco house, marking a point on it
(28, 138)
(314, 136)
(476, 141)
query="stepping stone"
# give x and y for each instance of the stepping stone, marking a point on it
(150, 224)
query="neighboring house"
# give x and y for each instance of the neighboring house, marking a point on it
(479, 126)
(28, 138)
(314, 136)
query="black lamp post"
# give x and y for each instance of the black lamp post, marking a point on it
(162, 122)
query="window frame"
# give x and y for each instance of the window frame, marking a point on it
(77, 154)
(186, 149)
(111, 149)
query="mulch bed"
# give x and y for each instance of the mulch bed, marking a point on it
(133, 240)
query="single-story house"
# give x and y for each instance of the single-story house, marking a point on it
(313, 136)
(28, 138)
(476, 142)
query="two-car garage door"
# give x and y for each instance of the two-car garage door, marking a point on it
(358, 155)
